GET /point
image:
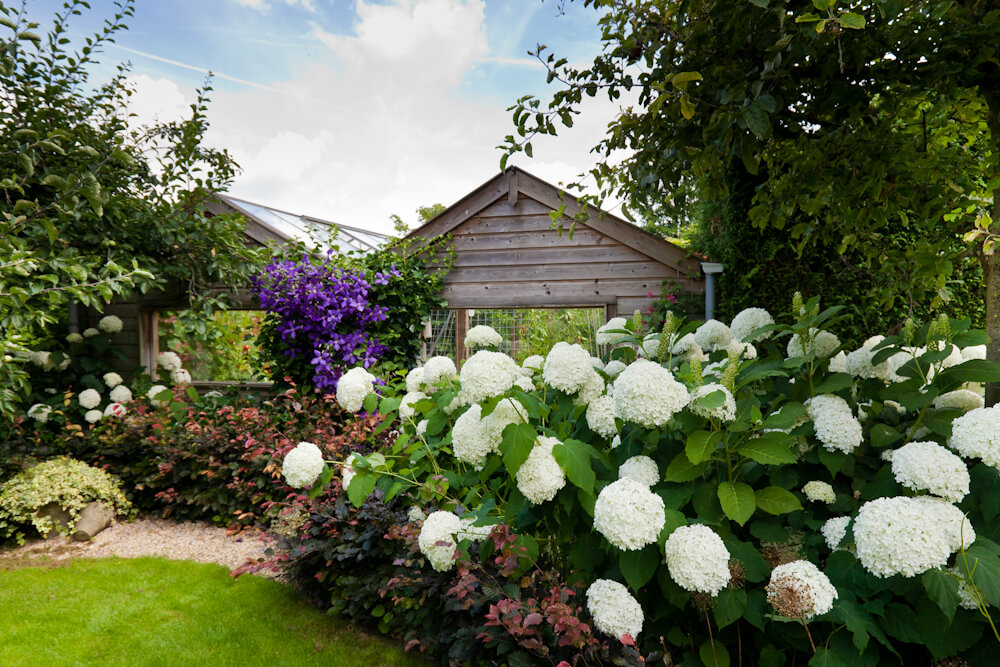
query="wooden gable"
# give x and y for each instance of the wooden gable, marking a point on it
(507, 254)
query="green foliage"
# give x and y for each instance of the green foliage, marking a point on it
(145, 610)
(216, 344)
(743, 476)
(65, 482)
(91, 207)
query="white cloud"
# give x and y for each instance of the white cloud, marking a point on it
(156, 100)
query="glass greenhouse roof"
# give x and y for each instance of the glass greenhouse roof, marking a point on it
(320, 232)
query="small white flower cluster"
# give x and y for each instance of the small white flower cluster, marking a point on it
(353, 387)
(859, 362)
(93, 416)
(406, 409)
(647, 394)
(927, 466)
(688, 349)
(961, 399)
(834, 530)
(614, 367)
(628, 514)
(89, 399)
(44, 360)
(155, 391)
(966, 598)
(90, 332)
(568, 368)
(748, 320)
(615, 611)
(40, 412)
(697, 559)
(415, 514)
(976, 434)
(725, 412)
(482, 336)
(302, 465)
(603, 337)
(591, 390)
(532, 365)
(800, 590)
(822, 343)
(121, 394)
(169, 361)
(508, 411)
(115, 410)
(112, 379)
(713, 335)
(469, 441)
(111, 324)
(540, 477)
(486, 374)
(415, 379)
(437, 539)
(640, 468)
(817, 491)
(835, 424)
(909, 536)
(438, 370)
(601, 417)
(347, 471)
(74, 338)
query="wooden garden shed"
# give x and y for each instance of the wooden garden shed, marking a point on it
(508, 253)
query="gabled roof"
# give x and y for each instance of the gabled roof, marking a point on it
(515, 181)
(265, 223)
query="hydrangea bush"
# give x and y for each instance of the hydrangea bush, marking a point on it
(779, 525)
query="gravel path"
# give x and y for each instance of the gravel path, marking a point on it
(201, 542)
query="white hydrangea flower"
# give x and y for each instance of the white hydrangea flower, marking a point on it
(473, 533)
(834, 530)
(482, 336)
(974, 352)
(616, 441)
(90, 332)
(437, 539)
(927, 466)
(650, 345)
(966, 598)
(591, 389)
(40, 412)
(524, 383)
(697, 559)
(628, 514)
(817, 491)
(907, 536)
(111, 324)
(957, 530)
(540, 477)
(121, 394)
(486, 374)
(597, 363)
(800, 590)
(567, 367)
(169, 361)
(438, 370)
(640, 468)
(112, 379)
(838, 362)
(469, 440)
(615, 611)
(74, 338)
(89, 398)
(508, 411)
(835, 424)
(741, 350)
(347, 471)
(688, 349)
(532, 365)
(713, 335)
(302, 465)
(93, 416)
(180, 376)
(750, 319)
(859, 362)
(823, 343)
(603, 337)
(42, 358)
(406, 409)
(614, 367)
(415, 514)
(725, 412)
(115, 410)
(601, 417)
(976, 434)
(962, 399)
(353, 387)
(415, 379)
(647, 394)
(153, 392)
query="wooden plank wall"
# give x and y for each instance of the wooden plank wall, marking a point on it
(507, 256)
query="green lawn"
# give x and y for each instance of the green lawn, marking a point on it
(151, 611)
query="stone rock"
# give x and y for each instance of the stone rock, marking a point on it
(94, 518)
(60, 519)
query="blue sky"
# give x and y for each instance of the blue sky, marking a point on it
(352, 110)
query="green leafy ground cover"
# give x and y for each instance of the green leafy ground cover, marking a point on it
(151, 611)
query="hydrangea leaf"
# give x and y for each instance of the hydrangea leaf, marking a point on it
(833, 383)
(770, 448)
(985, 568)
(942, 588)
(776, 500)
(943, 638)
(639, 566)
(737, 501)
(370, 404)
(901, 622)
(682, 470)
(786, 416)
(883, 435)
(361, 486)
(714, 653)
(573, 457)
(516, 445)
(701, 445)
(973, 370)
(729, 606)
